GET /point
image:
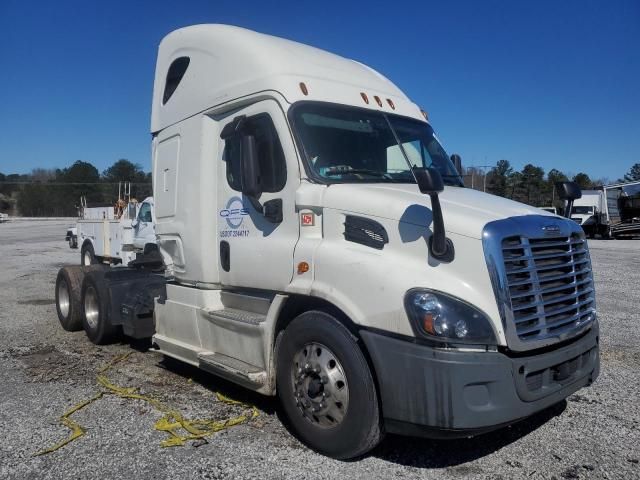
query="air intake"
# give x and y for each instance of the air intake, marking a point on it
(365, 232)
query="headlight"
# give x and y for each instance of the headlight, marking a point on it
(442, 317)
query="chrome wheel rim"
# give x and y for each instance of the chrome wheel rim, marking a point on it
(63, 298)
(320, 386)
(91, 309)
(87, 258)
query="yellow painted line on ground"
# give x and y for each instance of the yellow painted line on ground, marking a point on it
(172, 422)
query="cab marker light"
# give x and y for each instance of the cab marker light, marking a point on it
(378, 101)
(364, 97)
(303, 88)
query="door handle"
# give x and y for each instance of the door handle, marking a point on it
(225, 255)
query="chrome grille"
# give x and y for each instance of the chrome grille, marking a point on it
(549, 284)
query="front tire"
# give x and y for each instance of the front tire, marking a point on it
(87, 255)
(326, 388)
(95, 309)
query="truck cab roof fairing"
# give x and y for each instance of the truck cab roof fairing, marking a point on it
(228, 62)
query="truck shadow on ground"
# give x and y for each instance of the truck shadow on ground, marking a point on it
(425, 453)
(407, 451)
(217, 384)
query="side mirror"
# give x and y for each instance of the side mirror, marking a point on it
(250, 169)
(568, 191)
(430, 182)
(457, 162)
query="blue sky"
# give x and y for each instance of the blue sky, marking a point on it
(553, 83)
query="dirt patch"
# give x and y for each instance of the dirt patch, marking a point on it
(46, 364)
(621, 354)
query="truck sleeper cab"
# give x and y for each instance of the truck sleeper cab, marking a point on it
(318, 244)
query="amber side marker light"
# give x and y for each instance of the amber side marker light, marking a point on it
(378, 101)
(364, 97)
(303, 89)
(303, 267)
(427, 323)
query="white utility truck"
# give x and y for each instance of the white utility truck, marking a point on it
(113, 234)
(315, 242)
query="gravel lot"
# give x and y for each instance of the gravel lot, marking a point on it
(44, 371)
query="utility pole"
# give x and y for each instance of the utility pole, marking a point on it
(484, 175)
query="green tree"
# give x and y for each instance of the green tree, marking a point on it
(79, 180)
(125, 171)
(583, 181)
(532, 184)
(633, 174)
(498, 177)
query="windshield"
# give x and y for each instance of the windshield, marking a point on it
(348, 144)
(582, 210)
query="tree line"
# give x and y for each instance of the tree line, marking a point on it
(57, 192)
(531, 185)
(47, 193)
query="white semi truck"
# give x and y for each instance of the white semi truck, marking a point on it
(315, 242)
(113, 234)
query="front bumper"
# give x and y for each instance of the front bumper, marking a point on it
(448, 393)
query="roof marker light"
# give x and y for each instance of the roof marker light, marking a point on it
(378, 101)
(424, 114)
(364, 97)
(390, 102)
(303, 88)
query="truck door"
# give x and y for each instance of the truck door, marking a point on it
(254, 251)
(144, 231)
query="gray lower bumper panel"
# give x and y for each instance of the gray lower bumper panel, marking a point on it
(436, 392)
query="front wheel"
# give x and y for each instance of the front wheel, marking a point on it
(326, 388)
(87, 255)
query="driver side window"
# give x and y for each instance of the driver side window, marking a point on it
(273, 170)
(145, 213)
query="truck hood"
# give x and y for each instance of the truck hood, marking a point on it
(465, 211)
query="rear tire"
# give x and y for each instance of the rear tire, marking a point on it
(326, 388)
(95, 309)
(68, 290)
(87, 255)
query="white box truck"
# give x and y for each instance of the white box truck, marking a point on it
(611, 212)
(588, 212)
(315, 242)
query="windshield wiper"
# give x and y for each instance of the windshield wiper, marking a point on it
(344, 171)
